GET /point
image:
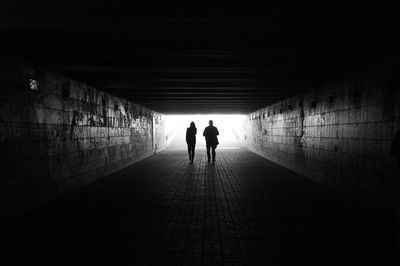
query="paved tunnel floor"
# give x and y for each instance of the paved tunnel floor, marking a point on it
(244, 210)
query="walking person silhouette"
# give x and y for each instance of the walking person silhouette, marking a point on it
(191, 140)
(211, 134)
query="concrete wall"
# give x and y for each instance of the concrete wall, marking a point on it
(345, 135)
(160, 132)
(64, 135)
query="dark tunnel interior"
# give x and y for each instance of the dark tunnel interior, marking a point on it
(95, 99)
(205, 58)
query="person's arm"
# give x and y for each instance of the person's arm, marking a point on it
(205, 132)
(195, 131)
(216, 131)
(187, 135)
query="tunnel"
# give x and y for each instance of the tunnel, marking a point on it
(96, 102)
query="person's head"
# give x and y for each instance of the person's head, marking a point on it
(192, 125)
(210, 122)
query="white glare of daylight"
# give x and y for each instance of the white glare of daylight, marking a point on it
(229, 127)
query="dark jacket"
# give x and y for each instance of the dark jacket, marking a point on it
(191, 135)
(211, 134)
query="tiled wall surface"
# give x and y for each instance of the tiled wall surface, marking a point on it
(160, 134)
(65, 134)
(345, 135)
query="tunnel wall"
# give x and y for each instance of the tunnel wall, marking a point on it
(345, 135)
(65, 135)
(160, 132)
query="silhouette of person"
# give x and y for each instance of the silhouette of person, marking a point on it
(191, 140)
(211, 134)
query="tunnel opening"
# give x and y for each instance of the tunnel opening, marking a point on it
(230, 127)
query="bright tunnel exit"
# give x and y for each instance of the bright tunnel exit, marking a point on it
(229, 127)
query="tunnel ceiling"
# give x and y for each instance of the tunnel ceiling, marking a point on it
(177, 59)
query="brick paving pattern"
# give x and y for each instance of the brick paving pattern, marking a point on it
(244, 210)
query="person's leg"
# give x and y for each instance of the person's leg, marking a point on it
(213, 153)
(190, 157)
(208, 152)
(194, 145)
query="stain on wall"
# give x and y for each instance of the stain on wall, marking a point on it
(343, 135)
(64, 135)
